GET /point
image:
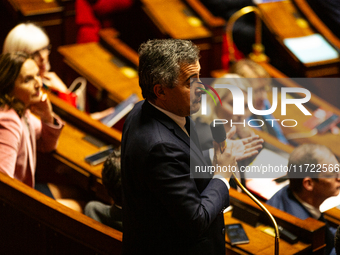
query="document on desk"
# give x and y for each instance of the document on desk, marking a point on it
(261, 174)
(120, 111)
(330, 203)
(311, 48)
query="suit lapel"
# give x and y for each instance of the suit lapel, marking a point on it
(192, 141)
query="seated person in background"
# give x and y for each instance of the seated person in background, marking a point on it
(92, 15)
(30, 38)
(22, 133)
(307, 190)
(224, 111)
(110, 215)
(260, 81)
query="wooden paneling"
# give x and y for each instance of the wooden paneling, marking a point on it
(32, 223)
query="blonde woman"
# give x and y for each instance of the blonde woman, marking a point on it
(32, 39)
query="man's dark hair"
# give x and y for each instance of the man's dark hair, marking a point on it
(111, 176)
(160, 62)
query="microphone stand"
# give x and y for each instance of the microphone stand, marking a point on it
(258, 49)
(257, 56)
(219, 136)
(277, 235)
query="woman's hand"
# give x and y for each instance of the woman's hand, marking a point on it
(51, 80)
(43, 109)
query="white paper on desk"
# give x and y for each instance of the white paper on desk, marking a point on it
(311, 48)
(263, 184)
(267, 164)
(330, 203)
(121, 110)
(264, 187)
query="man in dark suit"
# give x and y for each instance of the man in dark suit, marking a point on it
(165, 209)
(313, 177)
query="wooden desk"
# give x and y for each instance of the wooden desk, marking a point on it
(333, 216)
(316, 22)
(68, 159)
(44, 12)
(32, 223)
(309, 231)
(261, 243)
(102, 69)
(217, 27)
(284, 21)
(48, 14)
(175, 19)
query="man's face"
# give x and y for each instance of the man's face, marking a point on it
(185, 98)
(328, 183)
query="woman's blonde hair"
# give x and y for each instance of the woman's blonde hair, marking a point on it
(25, 37)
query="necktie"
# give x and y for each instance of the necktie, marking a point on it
(187, 125)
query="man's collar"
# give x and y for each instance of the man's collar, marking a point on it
(315, 212)
(178, 119)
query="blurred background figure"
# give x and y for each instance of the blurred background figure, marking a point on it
(307, 188)
(260, 81)
(110, 215)
(92, 15)
(32, 39)
(224, 111)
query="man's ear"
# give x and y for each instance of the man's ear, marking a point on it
(308, 183)
(159, 91)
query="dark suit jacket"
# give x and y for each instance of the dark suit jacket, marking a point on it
(286, 201)
(165, 210)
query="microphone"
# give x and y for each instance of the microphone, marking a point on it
(219, 135)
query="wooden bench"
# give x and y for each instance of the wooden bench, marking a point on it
(111, 72)
(285, 21)
(316, 22)
(47, 14)
(175, 19)
(68, 160)
(32, 223)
